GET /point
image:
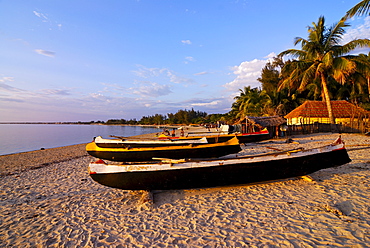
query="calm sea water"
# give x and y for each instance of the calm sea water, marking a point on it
(29, 137)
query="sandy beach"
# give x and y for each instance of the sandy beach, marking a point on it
(49, 200)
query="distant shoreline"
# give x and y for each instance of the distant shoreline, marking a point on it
(96, 123)
(52, 123)
(169, 126)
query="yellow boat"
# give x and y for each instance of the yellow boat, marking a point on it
(213, 150)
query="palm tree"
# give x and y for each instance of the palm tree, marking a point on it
(239, 100)
(321, 58)
(362, 8)
(363, 65)
(250, 102)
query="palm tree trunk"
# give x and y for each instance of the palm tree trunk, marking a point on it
(327, 99)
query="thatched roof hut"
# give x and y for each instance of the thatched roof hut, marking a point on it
(272, 123)
(316, 111)
(266, 121)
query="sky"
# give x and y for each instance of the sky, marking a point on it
(90, 60)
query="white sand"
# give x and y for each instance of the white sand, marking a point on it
(60, 206)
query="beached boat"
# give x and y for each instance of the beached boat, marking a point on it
(147, 153)
(123, 142)
(214, 137)
(196, 173)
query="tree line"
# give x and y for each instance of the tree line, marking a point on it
(180, 117)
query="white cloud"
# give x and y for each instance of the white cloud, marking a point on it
(201, 73)
(45, 19)
(56, 92)
(147, 73)
(6, 79)
(98, 96)
(187, 42)
(270, 55)
(360, 31)
(178, 79)
(213, 103)
(247, 73)
(113, 89)
(45, 53)
(189, 58)
(150, 89)
(6, 87)
(40, 15)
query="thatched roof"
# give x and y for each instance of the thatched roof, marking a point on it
(267, 121)
(317, 109)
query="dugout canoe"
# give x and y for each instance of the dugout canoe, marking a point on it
(127, 154)
(123, 142)
(214, 137)
(196, 173)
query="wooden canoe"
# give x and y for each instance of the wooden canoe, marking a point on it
(213, 150)
(200, 173)
(132, 142)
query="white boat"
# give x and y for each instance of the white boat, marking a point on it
(123, 142)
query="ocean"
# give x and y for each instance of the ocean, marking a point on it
(17, 138)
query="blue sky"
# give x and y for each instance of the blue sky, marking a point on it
(82, 60)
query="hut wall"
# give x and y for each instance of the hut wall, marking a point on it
(306, 120)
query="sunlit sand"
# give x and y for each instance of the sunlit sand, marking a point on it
(58, 205)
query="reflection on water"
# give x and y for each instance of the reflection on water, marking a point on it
(29, 137)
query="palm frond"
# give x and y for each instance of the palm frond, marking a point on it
(292, 52)
(328, 59)
(335, 34)
(298, 40)
(362, 8)
(307, 76)
(350, 46)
